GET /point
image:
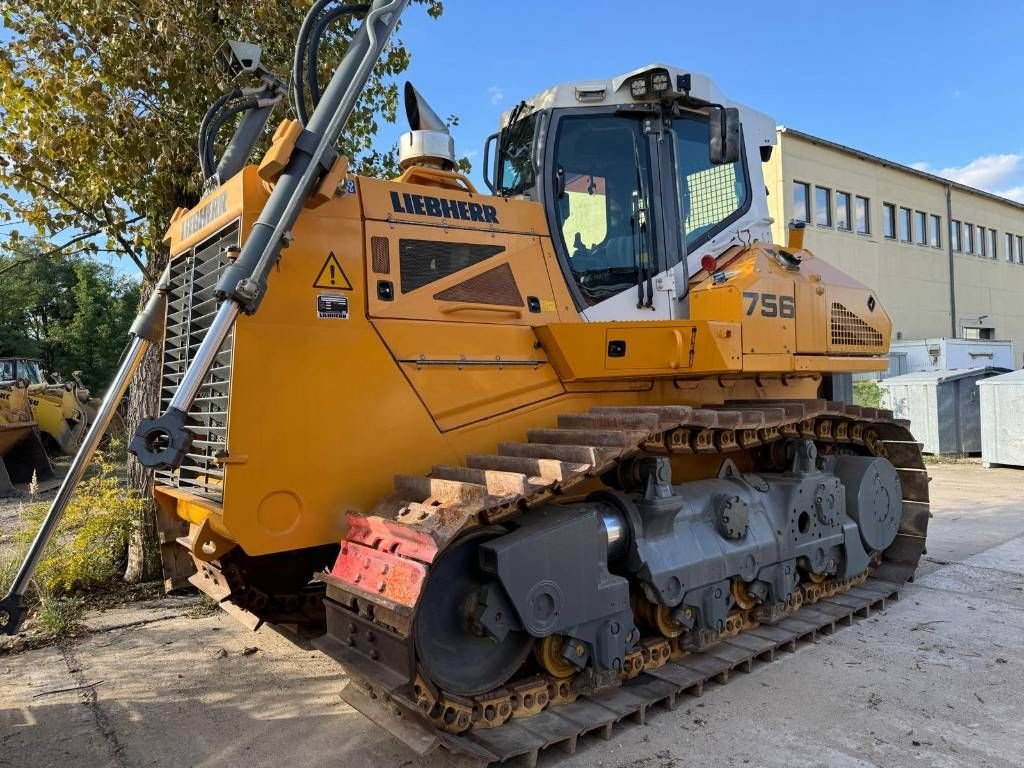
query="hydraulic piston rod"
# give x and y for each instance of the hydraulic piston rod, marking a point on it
(164, 441)
(146, 331)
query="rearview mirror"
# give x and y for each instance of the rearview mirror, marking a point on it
(724, 135)
(490, 172)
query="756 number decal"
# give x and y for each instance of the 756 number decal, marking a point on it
(772, 305)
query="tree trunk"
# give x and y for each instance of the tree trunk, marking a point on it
(143, 401)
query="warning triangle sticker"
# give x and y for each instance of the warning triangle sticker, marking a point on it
(331, 275)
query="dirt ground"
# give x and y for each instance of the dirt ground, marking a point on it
(934, 681)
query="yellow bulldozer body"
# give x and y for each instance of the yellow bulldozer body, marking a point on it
(418, 363)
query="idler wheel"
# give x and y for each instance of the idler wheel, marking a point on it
(452, 656)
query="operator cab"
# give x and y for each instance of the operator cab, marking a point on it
(640, 176)
(12, 369)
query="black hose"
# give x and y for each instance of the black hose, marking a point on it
(209, 160)
(204, 127)
(304, 65)
(313, 51)
(298, 64)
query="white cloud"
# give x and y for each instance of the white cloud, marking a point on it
(920, 166)
(1013, 193)
(496, 94)
(986, 172)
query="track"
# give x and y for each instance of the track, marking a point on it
(369, 620)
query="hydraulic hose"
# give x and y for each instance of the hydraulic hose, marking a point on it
(208, 159)
(204, 127)
(313, 51)
(304, 65)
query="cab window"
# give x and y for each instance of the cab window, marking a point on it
(517, 175)
(709, 195)
(604, 166)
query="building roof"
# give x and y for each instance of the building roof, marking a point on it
(941, 376)
(1015, 377)
(898, 166)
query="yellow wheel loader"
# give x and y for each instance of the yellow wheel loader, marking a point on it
(574, 450)
(63, 409)
(22, 456)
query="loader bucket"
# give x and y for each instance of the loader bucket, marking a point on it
(21, 454)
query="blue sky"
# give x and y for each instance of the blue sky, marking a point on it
(935, 84)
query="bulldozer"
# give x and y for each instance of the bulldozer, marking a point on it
(575, 451)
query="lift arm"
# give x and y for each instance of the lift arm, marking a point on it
(164, 441)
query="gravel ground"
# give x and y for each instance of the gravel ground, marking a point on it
(934, 681)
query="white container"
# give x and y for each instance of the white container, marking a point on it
(942, 407)
(948, 354)
(1002, 420)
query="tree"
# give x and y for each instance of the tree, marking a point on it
(69, 311)
(99, 114)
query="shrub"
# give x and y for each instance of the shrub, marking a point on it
(867, 394)
(88, 549)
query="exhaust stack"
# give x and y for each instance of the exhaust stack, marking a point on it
(428, 143)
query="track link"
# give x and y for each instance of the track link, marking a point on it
(372, 591)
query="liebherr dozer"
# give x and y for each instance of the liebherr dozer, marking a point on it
(573, 450)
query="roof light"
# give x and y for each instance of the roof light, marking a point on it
(638, 87)
(660, 81)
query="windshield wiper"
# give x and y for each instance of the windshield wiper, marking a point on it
(638, 228)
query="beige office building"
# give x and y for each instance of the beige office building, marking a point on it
(945, 259)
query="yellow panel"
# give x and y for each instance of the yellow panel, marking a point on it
(579, 351)
(651, 348)
(468, 371)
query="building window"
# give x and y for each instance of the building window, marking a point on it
(843, 211)
(861, 215)
(920, 234)
(801, 202)
(889, 220)
(974, 332)
(954, 235)
(1020, 249)
(935, 231)
(1010, 257)
(980, 242)
(905, 224)
(993, 244)
(968, 238)
(823, 206)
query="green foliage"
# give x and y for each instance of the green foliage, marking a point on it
(60, 616)
(101, 105)
(89, 547)
(68, 310)
(867, 394)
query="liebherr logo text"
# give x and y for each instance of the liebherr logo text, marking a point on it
(212, 210)
(425, 205)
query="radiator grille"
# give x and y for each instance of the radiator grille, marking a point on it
(190, 310)
(848, 330)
